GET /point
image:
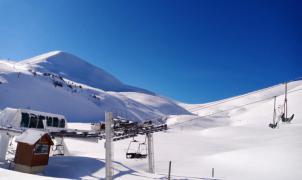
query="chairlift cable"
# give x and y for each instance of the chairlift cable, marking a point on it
(201, 107)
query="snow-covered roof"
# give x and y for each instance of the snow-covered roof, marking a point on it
(30, 136)
(9, 111)
(12, 111)
(7, 117)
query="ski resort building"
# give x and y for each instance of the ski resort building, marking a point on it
(25, 118)
(32, 151)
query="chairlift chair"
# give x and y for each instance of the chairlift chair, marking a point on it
(274, 124)
(141, 151)
(284, 116)
(58, 149)
(287, 120)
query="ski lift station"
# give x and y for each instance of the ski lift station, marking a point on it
(29, 123)
(35, 132)
(25, 118)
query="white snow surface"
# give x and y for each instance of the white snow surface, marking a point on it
(61, 83)
(237, 143)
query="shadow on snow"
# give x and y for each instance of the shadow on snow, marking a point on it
(76, 167)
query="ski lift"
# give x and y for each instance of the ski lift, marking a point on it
(284, 116)
(274, 124)
(287, 120)
(58, 148)
(139, 153)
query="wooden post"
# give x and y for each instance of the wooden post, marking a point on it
(169, 174)
(108, 145)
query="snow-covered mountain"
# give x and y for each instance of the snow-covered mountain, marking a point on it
(76, 69)
(62, 83)
(231, 135)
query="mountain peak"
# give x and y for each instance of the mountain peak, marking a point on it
(44, 57)
(76, 69)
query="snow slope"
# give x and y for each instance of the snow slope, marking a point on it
(78, 70)
(237, 143)
(61, 83)
(244, 109)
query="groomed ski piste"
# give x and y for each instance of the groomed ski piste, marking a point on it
(231, 135)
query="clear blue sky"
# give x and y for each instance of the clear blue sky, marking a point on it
(192, 51)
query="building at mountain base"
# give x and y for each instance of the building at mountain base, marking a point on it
(32, 152)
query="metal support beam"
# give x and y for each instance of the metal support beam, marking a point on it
(108, 144)
(150, 153)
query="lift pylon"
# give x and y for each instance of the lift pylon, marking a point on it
(108, 145)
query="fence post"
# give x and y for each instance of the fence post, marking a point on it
(169, 175)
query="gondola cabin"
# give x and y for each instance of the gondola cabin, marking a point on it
(26, 118)
(32, 151)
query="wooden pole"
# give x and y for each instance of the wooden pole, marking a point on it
(169, 174)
